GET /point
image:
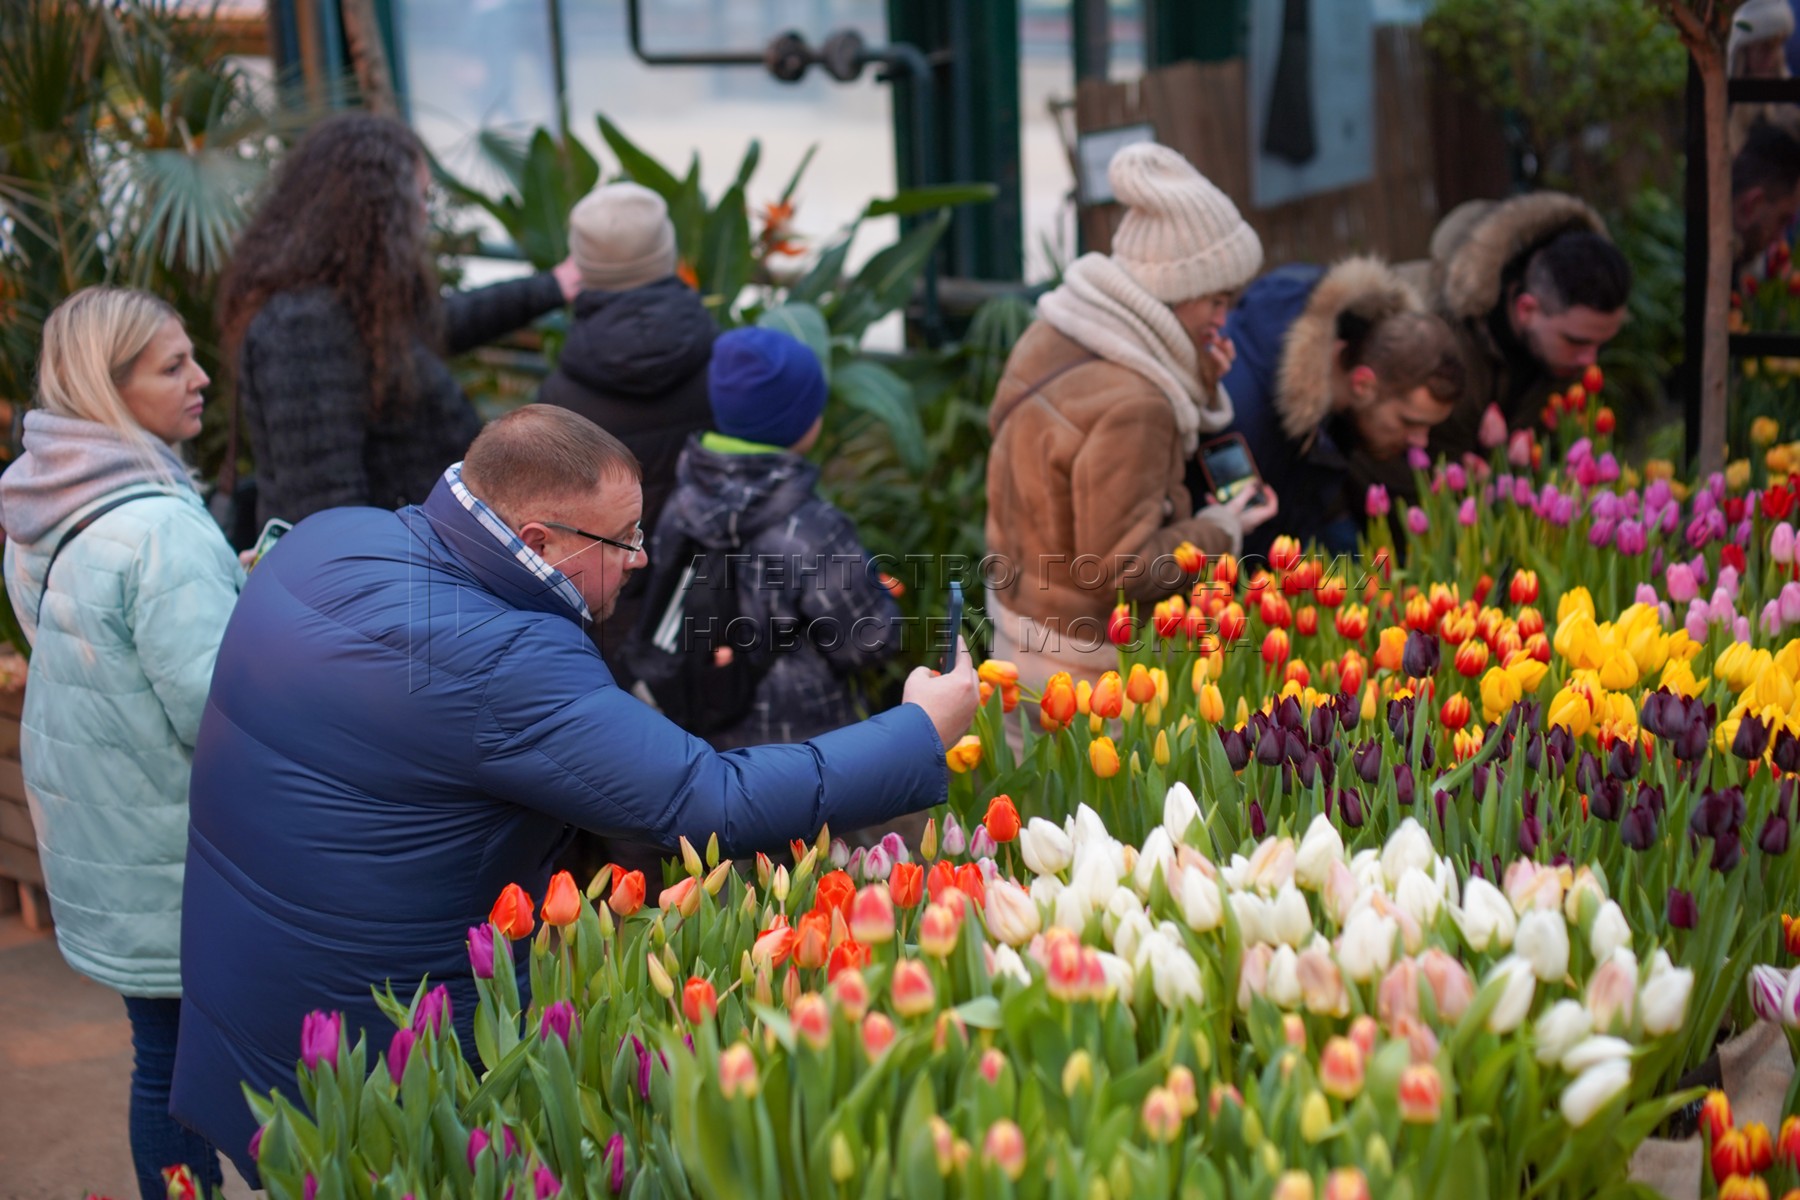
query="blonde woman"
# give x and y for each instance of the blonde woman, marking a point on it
(123, 583)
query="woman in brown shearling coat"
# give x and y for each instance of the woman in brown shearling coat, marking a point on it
(1103, 402)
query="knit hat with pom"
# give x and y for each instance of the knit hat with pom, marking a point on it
(621, 238)
(1181, 238)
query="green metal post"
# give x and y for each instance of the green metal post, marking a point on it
(1208, 30)
(976, 46)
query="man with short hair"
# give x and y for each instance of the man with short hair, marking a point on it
(407, 715)
(1765, 192)
(1534, 288)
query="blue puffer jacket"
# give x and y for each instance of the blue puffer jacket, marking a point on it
(123, 650)
(1286, 329)
(403, 721)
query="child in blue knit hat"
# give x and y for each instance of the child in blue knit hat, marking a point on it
(806, 580)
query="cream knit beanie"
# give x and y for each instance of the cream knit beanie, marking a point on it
(1761, 20)
(621, 237)
(1181, 238)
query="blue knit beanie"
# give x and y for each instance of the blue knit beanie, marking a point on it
(766, 386)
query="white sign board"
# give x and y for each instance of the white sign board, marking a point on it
(1312, 98)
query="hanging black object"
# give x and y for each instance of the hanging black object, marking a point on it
(1289, 133)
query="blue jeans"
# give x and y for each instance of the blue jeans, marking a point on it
(157, 1139)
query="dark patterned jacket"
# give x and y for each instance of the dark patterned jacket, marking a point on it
(809, 568)
(303, 380)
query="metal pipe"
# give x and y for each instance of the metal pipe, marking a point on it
(706, 58)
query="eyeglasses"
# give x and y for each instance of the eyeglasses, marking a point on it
(633, 547)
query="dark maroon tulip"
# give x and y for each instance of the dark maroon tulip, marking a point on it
(1682, 912)
(1367, 761)
(1719, 812)
(1307, 769)
(1787, 752)
(1752, 739)
(1350, 808)
(1638, 828)
(1774, 836)
(1587, 773)
(1237, 748)
(1419, 659)
(1623, 762)
(1534, 752)
(1268, 747)
(1728, 851)
(1287, 713)
(1259, 825)
(1531, 835)
(1403, 784)
(1324, 725)
(1607, 800)
(1649, 793)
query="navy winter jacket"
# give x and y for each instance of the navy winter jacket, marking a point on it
(402, 721)
(1309, 475)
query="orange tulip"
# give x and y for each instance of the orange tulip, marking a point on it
(1225, 570)
(674, 897)
(965, 756)
(1108, 699)
(1352, 622)
(627, 892)
(1103, 756)
(1456, 712)
(1284, 552)
(1057, 708)
(511, 913)
(1166, 617)
(1390, 648)
(1140, 688)
(1231, 624)
(850, 955)
(562, 900)
(1275, 647)
(1189, 558)
(1604, 421)
(835, 892)
(812, 939)
(1002, 819)
(1297, 672)
(941, 877)
(699, 1000)
(999, 673)
(1331, 592)
(906, 885)
(773, 945)
(1212, 704)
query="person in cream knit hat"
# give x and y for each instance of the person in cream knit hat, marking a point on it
(1103, 402)
(620, 237)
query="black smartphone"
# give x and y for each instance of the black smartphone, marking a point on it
(1229, 467)
(955, 626)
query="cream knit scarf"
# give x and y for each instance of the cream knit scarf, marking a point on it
(1103, 309)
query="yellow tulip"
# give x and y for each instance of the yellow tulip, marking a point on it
(1619, 707)
(1680, 490)
(1579, 641)
(1103, 756)
(1779, 460)
(1739, 664)
(1678, 677)
(1212, 704)
(1788, 659)
(1618, 672)
(1499, 692)
(1737, 474)
(1160, 754)
(1659, 468)
(1573, 601)
(1773, 689)
(1680, 645)
(1162, 685)
(965, 756)
(1529, 673)
(1370, 694)
(1764, 431)
(1570, 709)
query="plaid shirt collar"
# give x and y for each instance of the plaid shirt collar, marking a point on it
(531, 559)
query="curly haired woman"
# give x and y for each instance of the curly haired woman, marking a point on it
(332, 316)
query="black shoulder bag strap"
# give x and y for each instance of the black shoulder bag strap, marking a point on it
(79, 527)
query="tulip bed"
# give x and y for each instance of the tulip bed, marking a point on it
(1435, 874)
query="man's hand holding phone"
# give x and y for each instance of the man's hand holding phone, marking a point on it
(949, 698)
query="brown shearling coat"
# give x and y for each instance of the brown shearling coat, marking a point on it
(1085, 485)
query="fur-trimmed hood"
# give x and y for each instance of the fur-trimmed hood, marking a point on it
(1367, 287)
(1475, 243)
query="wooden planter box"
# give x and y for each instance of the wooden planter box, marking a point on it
(21, 877)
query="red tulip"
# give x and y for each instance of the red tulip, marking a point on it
(511, 913)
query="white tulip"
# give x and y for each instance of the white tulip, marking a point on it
(1179, 811)
(1123, 903)
(1252, 917)
(1610, 931)
(1012, 915)
(1088, 827)
(1341, 895)
(1586, 883)
(1366, 947)
(1517, 986)
(1543, 941)
(1271, 866)
(1486, 917)
(1365, 868)
(1561, 1029)
(1593, 1089)
(1045, 889)
(1175, 976)
(1283, 989)
(1234, 872)
(1419, 897)
(1133, 927)
(1045, 847)
(1664, 1001)
(1095, 873)
(1158, 853)
(1007, 962)
(1073, 904)
(1407, 846)
(1290, 921)
(1119, 976)
(1591, 1052)
(1202, 906)
(1321, 847)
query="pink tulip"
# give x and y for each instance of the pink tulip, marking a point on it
(1740, 629)
(1645, 594)
(1790, 603)
(1781, 544)
(1417, 459)
(1771, 618)
(1518, 449)
(1465, 513)
(1455, 478)
(1416, 521)
(319, 1037)
(1695, 624)
(1681, 583)
(1376, 504)
(1492, 430)
(1631, 538)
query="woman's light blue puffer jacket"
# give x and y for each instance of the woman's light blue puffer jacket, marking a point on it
(122, 656)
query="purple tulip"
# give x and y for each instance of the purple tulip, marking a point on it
(1605, 506)
(1523, 492)
(309, 1187)
(1417, 459)
(319, 1037)
(615, 1163)
(1681, 911)
(1259, 824)
(1416, 521)
(1455, 478)
(1562, 512)
(1638, 828)
(1376, 503)
(478, 1141)
(256, 1140)
(1419, 658)
(1609, 468)
(558, 1018)
(1658, 493)
(1600, 534)
(1465, 512)
(434, 1011)
(481, 950)
(544, 1183)
(1773, 840)
(1631, 538)
(1582, 451)
(399, 1050)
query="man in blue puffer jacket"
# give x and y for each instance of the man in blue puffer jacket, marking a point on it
(407, 715)
(1330, 363)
